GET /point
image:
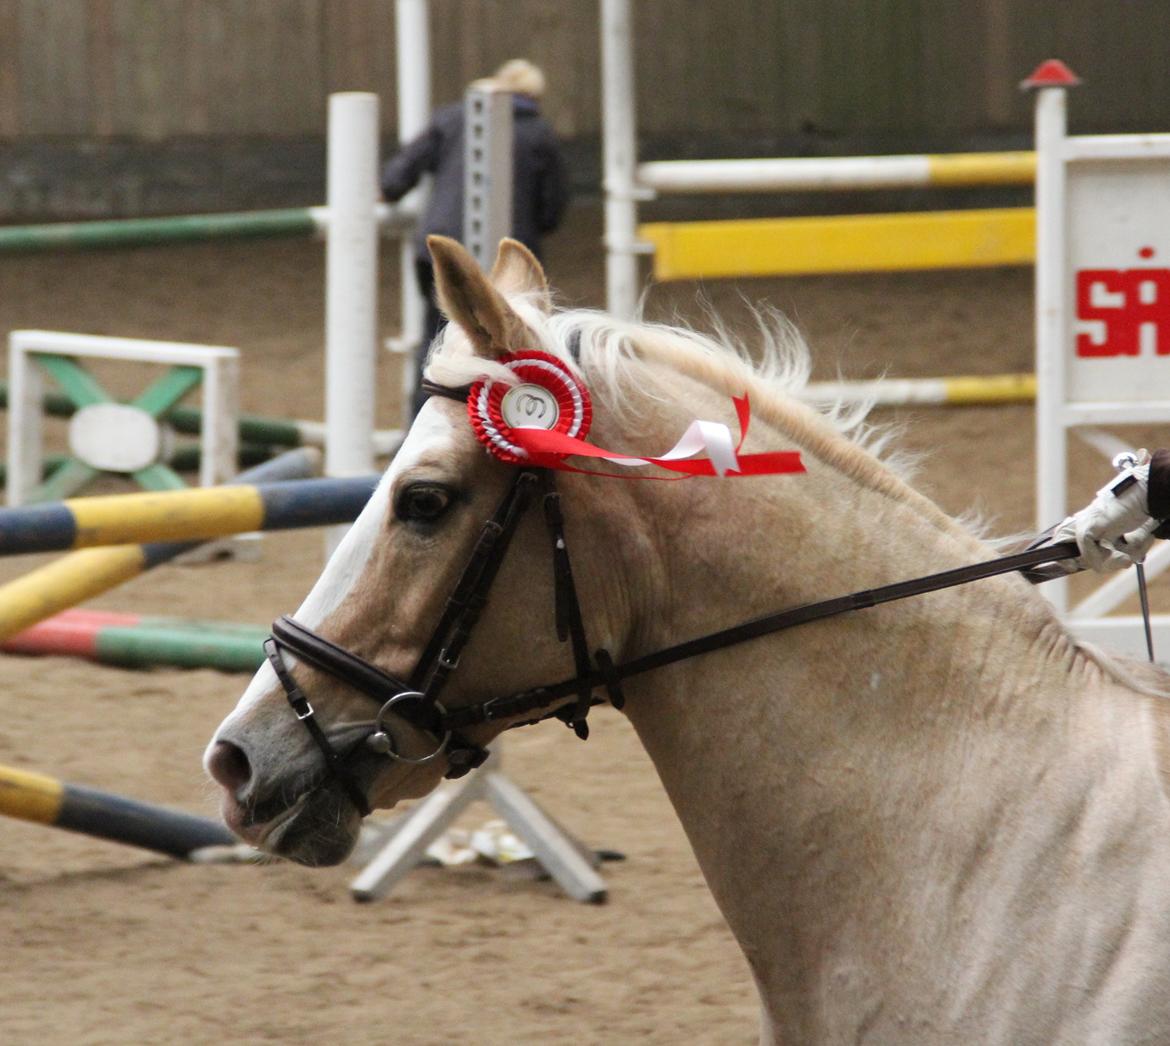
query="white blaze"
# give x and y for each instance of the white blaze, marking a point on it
(348, 562)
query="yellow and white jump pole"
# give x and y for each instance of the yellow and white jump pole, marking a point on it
(842, 243)
(833, 173)
(967, 391)
(784, 247)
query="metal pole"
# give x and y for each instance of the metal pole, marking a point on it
(619, 158)
(487, 171)
(351, 288)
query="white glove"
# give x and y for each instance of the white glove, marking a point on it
(1116, 528)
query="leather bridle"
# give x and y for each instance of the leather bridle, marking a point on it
(417, 700)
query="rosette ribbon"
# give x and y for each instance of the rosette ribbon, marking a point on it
(549, 448)
(545, 419)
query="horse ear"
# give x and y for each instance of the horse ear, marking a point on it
(468, 299)
(517, 271)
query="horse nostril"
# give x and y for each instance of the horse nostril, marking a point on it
(228, 765)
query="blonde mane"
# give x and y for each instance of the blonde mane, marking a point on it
(617, 360)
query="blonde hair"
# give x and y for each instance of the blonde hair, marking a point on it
(520, 76)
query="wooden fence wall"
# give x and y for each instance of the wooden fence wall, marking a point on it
(122, 107)
(154, 69)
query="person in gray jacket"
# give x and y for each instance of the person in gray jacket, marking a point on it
(540, 187)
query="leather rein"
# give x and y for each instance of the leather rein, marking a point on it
(417, 700)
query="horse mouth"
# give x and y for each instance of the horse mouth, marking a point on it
(318, 829)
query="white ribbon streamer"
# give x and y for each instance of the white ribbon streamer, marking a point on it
(711, 436)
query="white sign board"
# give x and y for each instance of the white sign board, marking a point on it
(1118, 268)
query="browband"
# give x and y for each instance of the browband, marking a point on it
(433, 388)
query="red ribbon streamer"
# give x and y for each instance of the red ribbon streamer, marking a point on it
(548, 448)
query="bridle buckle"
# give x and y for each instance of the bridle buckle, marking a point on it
(486, 709)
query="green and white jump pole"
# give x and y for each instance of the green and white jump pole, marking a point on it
(153, 232)
(256, 430)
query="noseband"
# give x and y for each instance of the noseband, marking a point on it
(417, 700)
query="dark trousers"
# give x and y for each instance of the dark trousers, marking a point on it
(433, 322)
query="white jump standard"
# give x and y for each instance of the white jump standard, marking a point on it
(1102, 318)
(106, 436)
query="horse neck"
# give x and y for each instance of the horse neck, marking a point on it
(800, 762)
(731, 550)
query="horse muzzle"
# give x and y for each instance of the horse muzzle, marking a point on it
(315, 824)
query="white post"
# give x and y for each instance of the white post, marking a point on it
(487, 171)
(413, 50)
(619, 158)
(351, 287)
(414, 67)
(26, 422)
(221, 420)
(1051, 321)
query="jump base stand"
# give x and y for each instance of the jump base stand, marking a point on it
(404, 841)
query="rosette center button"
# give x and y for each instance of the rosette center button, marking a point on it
(530, 406)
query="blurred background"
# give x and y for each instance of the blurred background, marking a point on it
(129, 107)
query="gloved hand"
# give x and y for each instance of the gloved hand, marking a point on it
(1115, 529)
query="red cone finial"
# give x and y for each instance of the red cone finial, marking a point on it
(1052, 73)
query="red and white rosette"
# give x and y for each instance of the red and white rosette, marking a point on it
(544, 419)
(547, 397)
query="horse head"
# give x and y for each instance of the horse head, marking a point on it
(389, 586)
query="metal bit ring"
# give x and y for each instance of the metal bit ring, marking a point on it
(382, 740)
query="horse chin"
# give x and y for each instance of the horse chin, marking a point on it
(320, 830)
(318, 838)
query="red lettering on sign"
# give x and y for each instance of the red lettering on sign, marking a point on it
(1142, 296)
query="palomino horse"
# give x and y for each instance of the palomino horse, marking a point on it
(939, 820)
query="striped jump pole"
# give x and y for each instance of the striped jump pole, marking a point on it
(183, 515)
(140, 641)
(972, 390)
(698, 250)
(254, 428)
(183, 228)
(182, 459)
(41, 799)
(82, 575)
(838, 173)
(724, 249)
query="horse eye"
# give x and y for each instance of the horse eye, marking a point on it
(423, 503)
